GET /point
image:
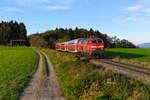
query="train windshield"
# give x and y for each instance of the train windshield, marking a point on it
(100, 41)
(94, 41)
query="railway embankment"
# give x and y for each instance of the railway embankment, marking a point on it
(137, 73)
(80, 79)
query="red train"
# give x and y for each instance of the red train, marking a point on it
(90, 46)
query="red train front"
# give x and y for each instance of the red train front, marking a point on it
(90, 46)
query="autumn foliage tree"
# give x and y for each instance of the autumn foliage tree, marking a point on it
(51, 37)
(37, 40)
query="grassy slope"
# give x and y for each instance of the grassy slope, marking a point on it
(17, 64)
(139, 57)
(83, 80)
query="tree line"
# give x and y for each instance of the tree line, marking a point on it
(12, 31)
(51, 37)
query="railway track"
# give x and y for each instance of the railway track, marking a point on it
(135, 72)
(138, 73)
(145, 71)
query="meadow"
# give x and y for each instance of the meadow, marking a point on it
(82, 80)
(138, 57)
(17, 65)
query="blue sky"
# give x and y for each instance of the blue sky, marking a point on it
(129, 19)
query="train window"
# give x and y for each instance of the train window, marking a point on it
(100, 41)
(80, 42)
(83, 42)
(94, 41)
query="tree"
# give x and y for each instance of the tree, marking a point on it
(22, 31)
(36, 40)
(61, 35)
(12, 31)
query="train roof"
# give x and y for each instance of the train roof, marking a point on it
(76, 40)
(60, 43)
(93, 38)
(86, 39)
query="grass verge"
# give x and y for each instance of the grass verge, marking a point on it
(17, 65)
(44, 66)
(81, 80)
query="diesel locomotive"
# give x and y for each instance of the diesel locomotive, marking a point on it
(87, 46)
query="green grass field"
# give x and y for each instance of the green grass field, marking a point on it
(81, 80)
(17, 64)
(139, 57)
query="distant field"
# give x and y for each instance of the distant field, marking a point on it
(17, 64)
(131, 56)
(140, 54)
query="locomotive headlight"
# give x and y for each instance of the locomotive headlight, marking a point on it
(96, 47)
(93, 46)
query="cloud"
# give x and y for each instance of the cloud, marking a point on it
(133, 8)
(30, 2)
(147, 10)
(57, 7)
(66, 1)
(40, 4)
(11, 9)
(111, 5)
(134, 19)
(145, 1)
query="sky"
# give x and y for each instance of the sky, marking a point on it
(126, 19)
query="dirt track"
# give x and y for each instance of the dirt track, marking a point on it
(41, 87)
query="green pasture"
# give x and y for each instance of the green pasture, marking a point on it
(17, 64)
(139, 54)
